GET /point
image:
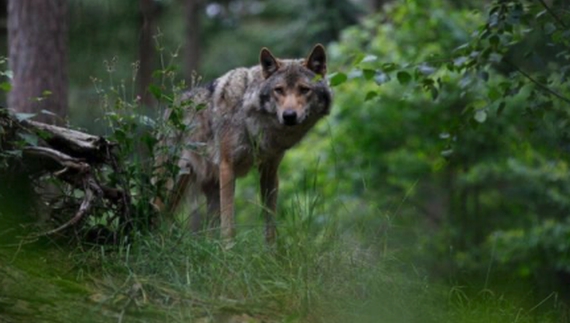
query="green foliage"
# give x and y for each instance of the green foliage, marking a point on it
(136, 133)
(444, 124)
(447, 149)
(541, 249)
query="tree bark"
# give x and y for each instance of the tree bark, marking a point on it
(3, 43)
(37, 41)
(377, 5)
(192, 48)
(148, 13)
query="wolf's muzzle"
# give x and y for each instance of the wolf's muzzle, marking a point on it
(289, 117)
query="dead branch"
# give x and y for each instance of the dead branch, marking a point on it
(83, 209)
(60, 158)
(74, 142)
(74, 158)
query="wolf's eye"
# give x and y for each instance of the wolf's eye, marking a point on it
(304, 89)
(279, 90)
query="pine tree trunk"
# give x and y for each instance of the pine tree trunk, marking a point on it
(3, 43)
(378, 4)
(148, 13)
(37, 41)
(192, 49)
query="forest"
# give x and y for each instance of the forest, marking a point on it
(436, 189)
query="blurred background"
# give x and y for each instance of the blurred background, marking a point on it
(465, 175)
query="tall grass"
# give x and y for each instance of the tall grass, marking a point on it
(314, 281)
(171, 275)
(320, 270)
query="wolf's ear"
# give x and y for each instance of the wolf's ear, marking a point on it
(269, 63)
(317, 60)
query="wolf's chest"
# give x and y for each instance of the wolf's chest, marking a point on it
(270, 140)
(259, 144)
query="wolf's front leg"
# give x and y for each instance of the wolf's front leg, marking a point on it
(227, 191)
(199, 222)
(269, 182)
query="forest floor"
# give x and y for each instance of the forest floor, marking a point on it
(171, 276)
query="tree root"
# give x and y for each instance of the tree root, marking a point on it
(73, 158)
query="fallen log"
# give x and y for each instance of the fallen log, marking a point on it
(81, 162)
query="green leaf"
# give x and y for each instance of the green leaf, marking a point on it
(426, 69)
(462, 47)
(404, 77)
(30, 139)
(357, 59)
(434, 92)
(368, 73)
(9, 74)
(155, 91)
(549, 28)
(5, 86)
(157, 74)
(493, 94)
(338, 78)
(369, 58)
(480, 116)
(541, 13)
(459, 61)
(389, 67)
(501, 108)
(559, 36)
(150, 141)
(494, 40)
(381, 78)
(370, 95)
(168, 98)
(120, 135)
(147, 121)
(447, 153)
(495, 57)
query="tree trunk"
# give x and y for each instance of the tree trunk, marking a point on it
(3, 42)
(192, 48)
(148, 13)
(37, 40)
(377, 5)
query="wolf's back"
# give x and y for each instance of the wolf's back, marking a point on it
(202, 109)
(229, 89)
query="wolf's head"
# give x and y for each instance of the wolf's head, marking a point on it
(295, 90)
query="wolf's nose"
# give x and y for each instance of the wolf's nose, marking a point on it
(290, 117)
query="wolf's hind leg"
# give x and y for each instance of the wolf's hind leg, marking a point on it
(178, 192)
(269, 182)
(198, 222)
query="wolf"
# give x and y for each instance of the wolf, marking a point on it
(248, 118)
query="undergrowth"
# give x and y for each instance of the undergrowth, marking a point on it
(319, 271)
(171, 275)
